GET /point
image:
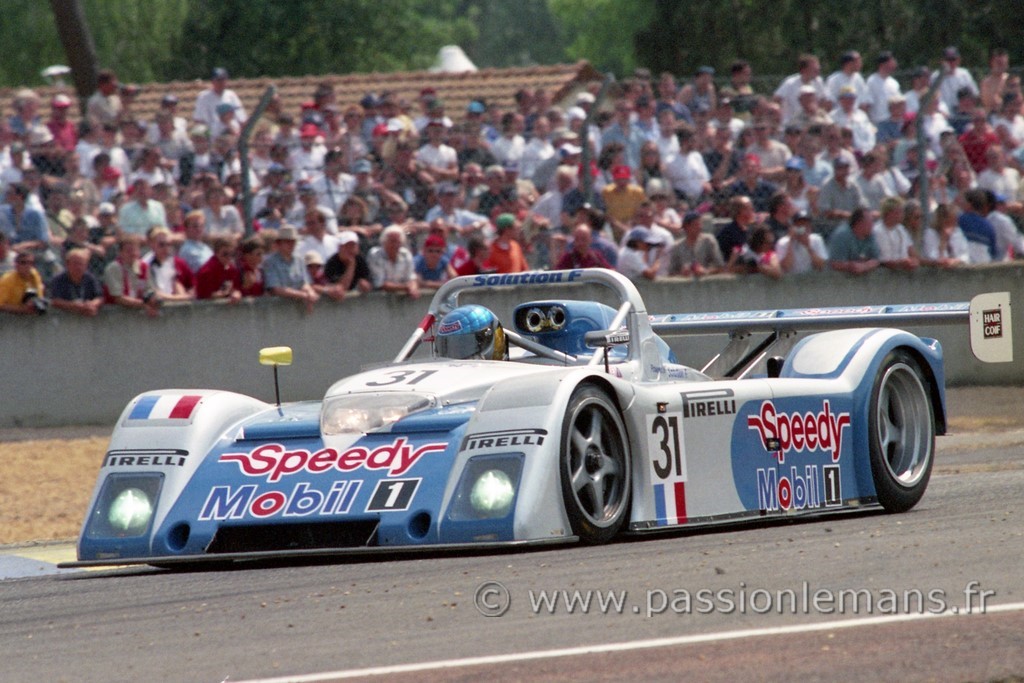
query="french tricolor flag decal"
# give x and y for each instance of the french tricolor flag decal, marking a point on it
(670, 503)
(166, 407)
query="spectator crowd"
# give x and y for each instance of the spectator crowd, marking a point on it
(397, 193)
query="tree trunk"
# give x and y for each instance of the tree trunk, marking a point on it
(78, 46)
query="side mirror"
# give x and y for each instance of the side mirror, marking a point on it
(276, 355)
(605, 339)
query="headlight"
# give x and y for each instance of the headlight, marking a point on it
(363, 413)
(492, 494)
(125, 506)
(130, 512)
(487, 488)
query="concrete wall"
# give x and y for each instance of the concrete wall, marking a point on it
(60, 369)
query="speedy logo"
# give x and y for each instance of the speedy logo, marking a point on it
(796, 432)
(274, 461)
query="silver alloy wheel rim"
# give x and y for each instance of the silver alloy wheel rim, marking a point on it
(903, 420)
(597, 462)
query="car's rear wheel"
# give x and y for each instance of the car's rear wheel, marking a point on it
(595, 466)
(902, 437)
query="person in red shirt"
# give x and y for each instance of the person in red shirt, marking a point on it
(251, 267)
(582, 254)
(219, 277)
(977, 139)
(65, 134)
(476, 263)
(506, 253)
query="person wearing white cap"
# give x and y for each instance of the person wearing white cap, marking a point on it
(347, 270)
(315, 268)
(661, 238)
(810, 113)
(585, 100)
(848, 115)
(633, 255)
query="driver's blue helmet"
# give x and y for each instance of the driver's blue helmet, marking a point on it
(471, 331)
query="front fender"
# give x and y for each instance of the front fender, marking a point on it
(168, 432)
(523, 417)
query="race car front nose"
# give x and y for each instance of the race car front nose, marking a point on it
(119, 523)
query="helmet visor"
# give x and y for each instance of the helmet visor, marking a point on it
(466, 345)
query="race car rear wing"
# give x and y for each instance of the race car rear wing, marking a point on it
(987, 314)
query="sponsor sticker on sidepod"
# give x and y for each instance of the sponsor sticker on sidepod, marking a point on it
(796, 432)
(275, 461)
(806, 445)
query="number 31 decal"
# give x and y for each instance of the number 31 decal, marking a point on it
(666, 448)
(400, 376)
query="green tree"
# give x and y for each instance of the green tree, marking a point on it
(679, 36)
(513, 33)
(146, 40)
(29, 40)
(603, 31)
(279, 37)
(132, 37)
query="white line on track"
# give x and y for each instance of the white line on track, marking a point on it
(633, 645)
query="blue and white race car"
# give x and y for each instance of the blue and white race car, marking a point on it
(573, 422)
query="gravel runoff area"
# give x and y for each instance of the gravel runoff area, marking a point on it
(49, 472)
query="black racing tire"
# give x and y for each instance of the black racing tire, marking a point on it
(902, 436)
(595, 466)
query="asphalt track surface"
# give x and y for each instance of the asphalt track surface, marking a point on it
(420, 619)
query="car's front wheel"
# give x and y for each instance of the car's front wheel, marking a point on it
(902, 437)
(595, 466)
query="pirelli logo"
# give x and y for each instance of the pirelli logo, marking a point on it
(708, 403)
(504, 439)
